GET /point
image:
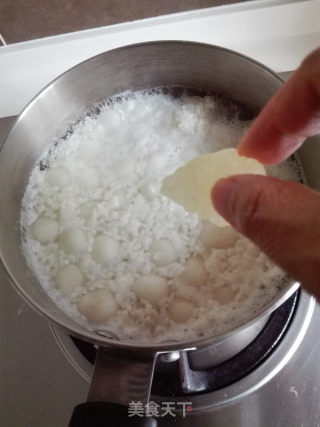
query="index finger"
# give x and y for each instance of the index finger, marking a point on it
(288, 118)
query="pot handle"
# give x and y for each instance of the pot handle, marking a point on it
(119, 380)
(103, 414)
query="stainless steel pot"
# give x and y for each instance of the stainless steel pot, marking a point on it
(49, 115)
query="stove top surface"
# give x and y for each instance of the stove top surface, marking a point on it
(44, 375)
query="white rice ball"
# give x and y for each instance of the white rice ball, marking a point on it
(97, 306)
(73, 241)
(181, 310)
(151, 288)
(224, 295)
(163, 252)
(194, 273)
(45, 230)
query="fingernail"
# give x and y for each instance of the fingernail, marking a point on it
(223, 196)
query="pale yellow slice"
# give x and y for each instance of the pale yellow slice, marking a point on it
(191, 185)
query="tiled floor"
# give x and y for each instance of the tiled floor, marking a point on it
(30, 19)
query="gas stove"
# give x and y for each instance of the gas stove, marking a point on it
(270, 377)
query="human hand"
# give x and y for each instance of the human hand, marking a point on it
(282, 218)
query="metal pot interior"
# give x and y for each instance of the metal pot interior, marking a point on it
(49, 115)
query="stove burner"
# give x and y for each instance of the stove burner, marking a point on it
(178, 378)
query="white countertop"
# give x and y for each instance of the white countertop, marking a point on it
(274, 32)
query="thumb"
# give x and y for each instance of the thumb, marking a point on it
(281, 217)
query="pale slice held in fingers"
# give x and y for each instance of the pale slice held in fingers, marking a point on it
(97, 306)
(191, 185)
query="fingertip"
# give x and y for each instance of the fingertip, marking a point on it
(256, 146)
(268, 147)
